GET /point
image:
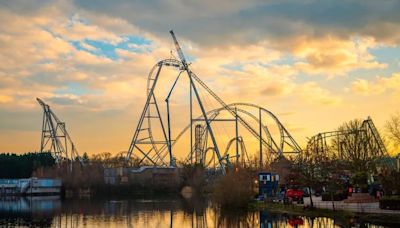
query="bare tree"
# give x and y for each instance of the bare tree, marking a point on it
(392, 128)
(356, 146)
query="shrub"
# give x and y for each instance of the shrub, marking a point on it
(81, 176)
(389, 180)
(194, 176)
(360, 180)
(234, 190)
(391, 203)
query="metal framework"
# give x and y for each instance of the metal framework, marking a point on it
(367, 136)
(152, 150)
(153, 154)
(55, 138)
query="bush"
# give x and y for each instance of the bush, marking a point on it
(360, 180)
(389, 180)
(194, 176)
(326, 196)
(391, 203)
(234, 190)
(81, 176)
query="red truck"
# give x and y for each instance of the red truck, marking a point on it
(294, 194)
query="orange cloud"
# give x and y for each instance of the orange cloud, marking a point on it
(378, 86)
(334, 56)
(5, 99)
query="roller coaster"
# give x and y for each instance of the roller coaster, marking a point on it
(152, 141)
(55, 138)
(364, 140)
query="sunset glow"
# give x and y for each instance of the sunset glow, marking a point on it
(314, 64)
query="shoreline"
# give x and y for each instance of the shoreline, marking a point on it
(341, 215)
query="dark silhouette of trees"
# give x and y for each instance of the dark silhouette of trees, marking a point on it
(22, 166)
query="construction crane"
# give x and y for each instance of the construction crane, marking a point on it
(55, 138)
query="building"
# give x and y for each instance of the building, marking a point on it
(30, 186)
(268, 184)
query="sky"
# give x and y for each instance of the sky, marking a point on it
(314, 64)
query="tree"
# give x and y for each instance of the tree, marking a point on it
(22, 166)
(390, 181)
(85, 158)
(304, 170)
(392, 128)
(356, 146)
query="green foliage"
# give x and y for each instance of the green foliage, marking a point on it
(22, 166)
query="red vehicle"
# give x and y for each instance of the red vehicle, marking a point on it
(294, 194)
(296, 222)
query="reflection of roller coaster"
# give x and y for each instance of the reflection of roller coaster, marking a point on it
(335, 143)
(152, 142)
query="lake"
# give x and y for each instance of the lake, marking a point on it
(144, 212)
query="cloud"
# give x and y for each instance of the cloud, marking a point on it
(66, 99)
(314, 94)
(5, 99)
(272, 90)
(76, 29)
(253, 21)
(327, 37)
(88, 46)
(39, 58)
(361, 86)
(331, 56)
(379, 85)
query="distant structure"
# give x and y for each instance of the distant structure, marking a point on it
(55, 138)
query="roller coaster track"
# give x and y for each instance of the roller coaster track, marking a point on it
(157, 152)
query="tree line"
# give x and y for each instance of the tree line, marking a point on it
(22, 165)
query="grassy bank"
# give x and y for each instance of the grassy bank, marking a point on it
(344, 217)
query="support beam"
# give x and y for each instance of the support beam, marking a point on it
(260, 133)
(237, 137)
(191, 126)
(214, 141)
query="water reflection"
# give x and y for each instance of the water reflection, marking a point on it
(283, 220)
(153, 212)
(32, 211)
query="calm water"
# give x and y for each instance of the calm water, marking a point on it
(155, 212)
